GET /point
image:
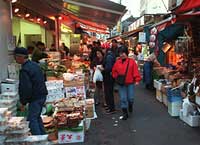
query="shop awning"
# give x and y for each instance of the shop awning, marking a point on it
(98, 11)
(187, 5)
(132, 33)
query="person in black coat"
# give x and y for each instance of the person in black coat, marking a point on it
(32, 90)
(108, 81)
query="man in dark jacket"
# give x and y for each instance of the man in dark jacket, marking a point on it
(109, 61)
(32, 90)
(38, 52)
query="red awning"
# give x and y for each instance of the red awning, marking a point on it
(187, 5)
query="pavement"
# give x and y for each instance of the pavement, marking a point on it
(149, 124)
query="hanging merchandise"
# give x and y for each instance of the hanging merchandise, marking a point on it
(153, 37)
(181, 44)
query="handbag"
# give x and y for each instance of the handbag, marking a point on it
(120, 80)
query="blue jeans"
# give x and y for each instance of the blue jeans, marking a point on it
(126, 94)
(35, 121)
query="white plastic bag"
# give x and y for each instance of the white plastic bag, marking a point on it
(97, 76)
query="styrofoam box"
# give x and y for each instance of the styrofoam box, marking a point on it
(55, 83)
(54, 97)
(197, 100)
(66, 136)
(54, 90)
(8, 87)
(193, 121)
(9, 95)
(159, 96)
(165, 101)
(157, 85)
(70, 137)
(174, 108)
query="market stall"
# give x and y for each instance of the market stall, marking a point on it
(177, 83)
(67, 112)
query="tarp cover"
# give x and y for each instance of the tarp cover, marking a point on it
(188, 5)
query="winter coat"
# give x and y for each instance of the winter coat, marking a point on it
(31, 83)
(133, 74)
(109, 61)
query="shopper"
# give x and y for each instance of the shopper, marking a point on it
(98, 64)
(53, 47)
(108, 81)
(65, 48)
(115, 48)
(32, 90)
(39, 52)
(148, 70)
(128, 67)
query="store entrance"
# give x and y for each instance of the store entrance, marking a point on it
(31, 40)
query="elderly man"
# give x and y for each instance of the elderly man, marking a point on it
(32, 90)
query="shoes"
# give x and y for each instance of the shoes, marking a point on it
(110, 111)
(125, 114)
(107, 108)
(97, 104)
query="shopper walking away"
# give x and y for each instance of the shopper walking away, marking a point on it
(125, 71)
(108, 81)
(32, 90)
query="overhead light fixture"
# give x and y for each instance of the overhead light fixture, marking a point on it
(14, 1)
(16, 10)
(45, 22)
(27, 15)
(60, 18)
(38, 19)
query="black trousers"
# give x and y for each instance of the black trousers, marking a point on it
(108, 90)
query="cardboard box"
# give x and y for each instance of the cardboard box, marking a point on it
(193, 121)
(89, 111)
(165, 101)
(159, 96)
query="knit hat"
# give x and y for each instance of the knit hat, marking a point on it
(123, 49)
(21, 51)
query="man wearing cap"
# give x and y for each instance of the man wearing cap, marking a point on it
(32, 90)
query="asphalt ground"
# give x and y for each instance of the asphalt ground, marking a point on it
(149, 124)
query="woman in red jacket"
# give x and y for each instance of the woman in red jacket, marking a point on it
(126, 91)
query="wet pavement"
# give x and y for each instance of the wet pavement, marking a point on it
(150, 124)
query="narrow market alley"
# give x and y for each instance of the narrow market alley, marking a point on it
(150, 124)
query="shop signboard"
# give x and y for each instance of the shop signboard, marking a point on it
(70, 137)
(142, 37)
(75, 91)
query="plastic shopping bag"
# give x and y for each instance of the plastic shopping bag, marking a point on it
(97, 75)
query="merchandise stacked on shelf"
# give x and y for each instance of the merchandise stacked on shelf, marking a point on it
(183, 98)
(4, 116)
(17, 130)
(9, 100)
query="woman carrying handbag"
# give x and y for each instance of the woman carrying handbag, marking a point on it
(126, 74)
